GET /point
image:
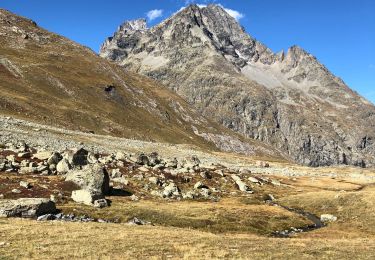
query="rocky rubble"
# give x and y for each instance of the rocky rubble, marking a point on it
(96, 175)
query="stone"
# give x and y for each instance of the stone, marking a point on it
(172, 163)
(137, 221)
(86, 196)
(143, 159)
(116, 173)
(63, 166)
(143, 169)
(269, 197)
(189, 195)
(134, 198)
(26, 207)
(156, 193)
(25, 184)
(77, 157)
(92, 158)
(16, 191)
(100, 203)
(191, 163)
(244, 171)
(199, 185)
(121, 180)
(91, 177)
(55, 158)
(24, 155)
(171, 190)
(46, 217)
(43, 155)
(205, 192)
(206, 175)
(220, 172)
(262, 164)
(241, 185)
(120, 156)
(254, 180)
(154, 180)
(153, 159)
(326, 218)
(11, 158)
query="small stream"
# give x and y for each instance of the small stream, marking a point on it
(293, 230)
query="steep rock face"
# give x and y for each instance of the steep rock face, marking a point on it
(288, 100)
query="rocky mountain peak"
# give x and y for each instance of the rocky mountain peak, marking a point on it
(133, 25)
(289, 100)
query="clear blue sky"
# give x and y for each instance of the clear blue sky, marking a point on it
(340, 33)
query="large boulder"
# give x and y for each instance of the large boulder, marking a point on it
(55, 158)
(326, 218)
(241, 185)
(77, 157)
(26, 207)
(171, 190)
(91, 177)
(63, 166)
(87, 197)
(45, 155)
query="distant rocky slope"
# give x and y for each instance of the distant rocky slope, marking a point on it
(46, 78)
(288, 100)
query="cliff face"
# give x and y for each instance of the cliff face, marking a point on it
(288, 100)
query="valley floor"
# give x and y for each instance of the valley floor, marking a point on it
(238, 225)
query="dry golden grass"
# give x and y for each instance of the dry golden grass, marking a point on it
(56, 240)
(226, 216)
(236, 227)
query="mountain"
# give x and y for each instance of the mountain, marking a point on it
(46, 78)
(288, 100)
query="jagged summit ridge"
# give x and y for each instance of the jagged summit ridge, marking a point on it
(287, 99)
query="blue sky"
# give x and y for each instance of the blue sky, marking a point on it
(340, 33)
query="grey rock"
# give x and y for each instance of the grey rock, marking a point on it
(199, 185)
(254, 180)
(241, 185)
(26, 207)
(137, 221)
(87, 196)
(63, 166)
(24, 155)
(189, 195)
(121, 180)
(54, 159)
(25, 184)
(100, 203)
(116, 173)
(77, 157)
(154, 180)
(45, 155)
(326, 218)
(134, 198)
(91, 177)
(205, 192)
(171, 190)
